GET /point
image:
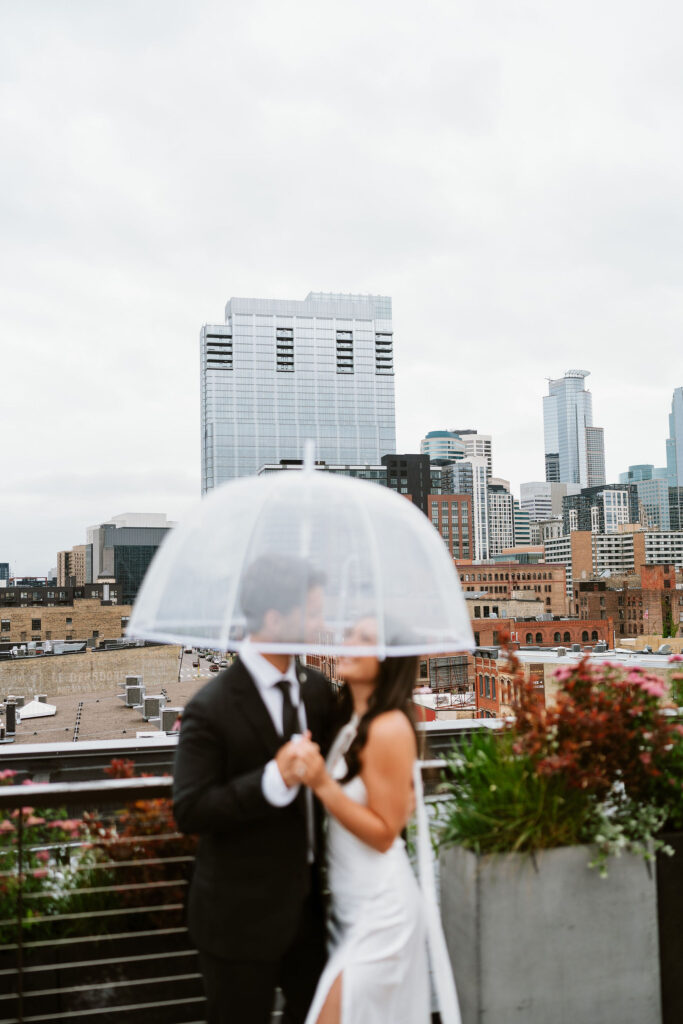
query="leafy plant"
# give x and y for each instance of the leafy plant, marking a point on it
(602, 766)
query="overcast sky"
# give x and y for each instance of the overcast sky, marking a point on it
(511, 173)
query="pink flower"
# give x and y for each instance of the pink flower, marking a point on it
(39, 873)
(43, 855)
(32, 820)
(676, 657)
(563, 673)
(8, 773)
(6, 826)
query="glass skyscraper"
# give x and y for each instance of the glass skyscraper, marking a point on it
(574, 448)
(280, 372)
(674, 444)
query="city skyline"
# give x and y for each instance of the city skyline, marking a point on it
(512, 249)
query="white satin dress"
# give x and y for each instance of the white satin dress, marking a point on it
(377, 926)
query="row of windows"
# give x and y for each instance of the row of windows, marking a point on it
(487, 686)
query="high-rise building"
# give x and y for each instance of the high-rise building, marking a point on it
(574, 448)
(674, 444)
(451, 515)
(676, 508)
(470, 476)
(4, 572)
(501, 519)
(280, 372)
(123, 548)
(410, 474)
(72, 567)
(442, 444)
(601, 509)
(477, 446)
(543, 499)
(522, 526)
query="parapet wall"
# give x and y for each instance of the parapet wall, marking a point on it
(60, 675)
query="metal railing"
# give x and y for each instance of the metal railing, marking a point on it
(93, 877)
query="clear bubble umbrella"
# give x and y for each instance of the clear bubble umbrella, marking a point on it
(296, 560)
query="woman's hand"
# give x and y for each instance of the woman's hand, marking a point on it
(311, 767)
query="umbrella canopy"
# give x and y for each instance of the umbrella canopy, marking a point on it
(295, 560)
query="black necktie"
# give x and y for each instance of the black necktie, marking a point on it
(290, 717)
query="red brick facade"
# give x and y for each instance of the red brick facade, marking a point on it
(546, 581)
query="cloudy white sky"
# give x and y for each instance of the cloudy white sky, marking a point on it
(511, 173)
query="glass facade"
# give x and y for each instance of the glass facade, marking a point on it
(574, 448)
(281, 372)
(674, 444)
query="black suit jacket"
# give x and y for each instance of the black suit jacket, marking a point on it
(251, 873)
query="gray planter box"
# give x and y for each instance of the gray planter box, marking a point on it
(551, 942)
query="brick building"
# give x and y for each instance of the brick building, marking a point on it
(489, 632)
(451, 515)
(62, 613)
(502, 578)
(648, 603)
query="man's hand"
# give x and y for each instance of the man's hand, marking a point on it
(288, 760)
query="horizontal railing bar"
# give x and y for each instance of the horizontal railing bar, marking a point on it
(105, 961)
(147, 861)
(108, 888)
(70, 1014)
(41, 918)
(109, 984)
(72, 940)
(56, 794)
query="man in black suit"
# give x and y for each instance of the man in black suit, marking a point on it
(255, 909)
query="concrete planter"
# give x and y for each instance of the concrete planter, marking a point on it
(550, 940)
(670, 912)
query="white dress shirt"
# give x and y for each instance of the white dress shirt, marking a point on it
(266, 677)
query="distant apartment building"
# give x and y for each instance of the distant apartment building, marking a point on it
(586, 554)
(280, 372)
(442, 445)
(478, 446)
(601, 509)
(574, 448)
(501, 519)
(451, 515)
(542, 499)
(72, 567)
(470, 476)
(410, 474)
(506, 579)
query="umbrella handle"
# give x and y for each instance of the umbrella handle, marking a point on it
(444, 982)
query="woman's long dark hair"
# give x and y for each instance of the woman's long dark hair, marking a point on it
(393, 692)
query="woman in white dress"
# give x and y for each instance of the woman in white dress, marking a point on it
(377, 972)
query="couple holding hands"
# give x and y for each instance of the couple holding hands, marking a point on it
(299, 796)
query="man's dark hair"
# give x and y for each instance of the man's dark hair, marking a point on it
(276, 583)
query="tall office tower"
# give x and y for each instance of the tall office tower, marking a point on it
(442, 444)
(4, 572)
(542, 499)
(501, 519)
(281, 372)
(574, 448)
(674, 444)
(477, 446)
(122, 549)
(470, 476)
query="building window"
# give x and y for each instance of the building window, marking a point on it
(556, 638)
(125, 619)
(487, 686)
(539, 638)
(218, 352)
(481, 685)
(493, 687)
(5, 625)
(344, 351)
(529, 638)
(284, 349)
(594, 634)
(95, 634)
(384, 356)
(35, 625)
(69, 622)
(48, 634)
(567, 638)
